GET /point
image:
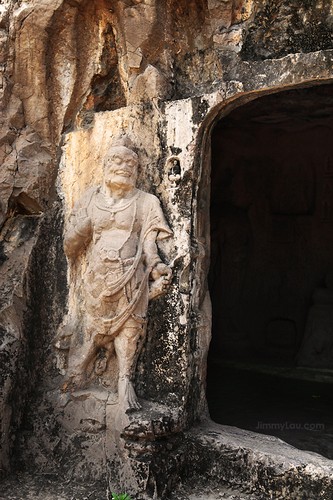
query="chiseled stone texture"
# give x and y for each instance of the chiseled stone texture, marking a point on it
(73, 75)
(16, 243)
(263, 465)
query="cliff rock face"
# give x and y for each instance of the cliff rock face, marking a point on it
(74, 74)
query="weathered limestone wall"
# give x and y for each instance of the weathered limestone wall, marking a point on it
(75, 74)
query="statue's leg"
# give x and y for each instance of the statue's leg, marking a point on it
(127, 345)
(85, 360)
(80, 367)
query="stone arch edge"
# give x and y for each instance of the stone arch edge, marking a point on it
(224, 450)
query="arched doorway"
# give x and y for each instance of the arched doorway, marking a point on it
(270, 365)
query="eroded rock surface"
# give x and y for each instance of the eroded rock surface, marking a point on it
(74, 75)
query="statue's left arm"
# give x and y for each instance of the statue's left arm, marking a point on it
(153, 260)
(156, 229)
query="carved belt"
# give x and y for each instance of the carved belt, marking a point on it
(113, 256)
(116, 262)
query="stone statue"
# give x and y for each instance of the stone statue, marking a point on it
(317, 346)
(115, 226)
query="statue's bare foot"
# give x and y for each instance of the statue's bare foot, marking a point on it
(127, 397)
(100, 366)
(133, 403)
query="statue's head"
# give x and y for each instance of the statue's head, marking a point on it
(121, 163)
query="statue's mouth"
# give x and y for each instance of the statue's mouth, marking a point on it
(123, 173)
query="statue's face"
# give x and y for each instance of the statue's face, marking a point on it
(120, 168)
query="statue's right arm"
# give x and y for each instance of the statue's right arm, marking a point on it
(79, 230)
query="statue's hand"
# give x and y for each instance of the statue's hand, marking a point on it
(161, 278)
(161, 270)
(78, 233)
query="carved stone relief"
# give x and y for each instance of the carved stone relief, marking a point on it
(317, 346)
(112, 233)
(73, 73)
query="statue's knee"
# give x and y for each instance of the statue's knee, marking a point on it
(133, 333)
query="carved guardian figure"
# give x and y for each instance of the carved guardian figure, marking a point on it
(116, 226)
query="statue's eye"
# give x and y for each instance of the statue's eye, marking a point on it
(117, 160)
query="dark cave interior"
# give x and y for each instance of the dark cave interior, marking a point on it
(271, 272)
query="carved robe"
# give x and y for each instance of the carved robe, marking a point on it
(116, 278)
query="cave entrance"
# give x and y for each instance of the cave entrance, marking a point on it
(270, 365)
